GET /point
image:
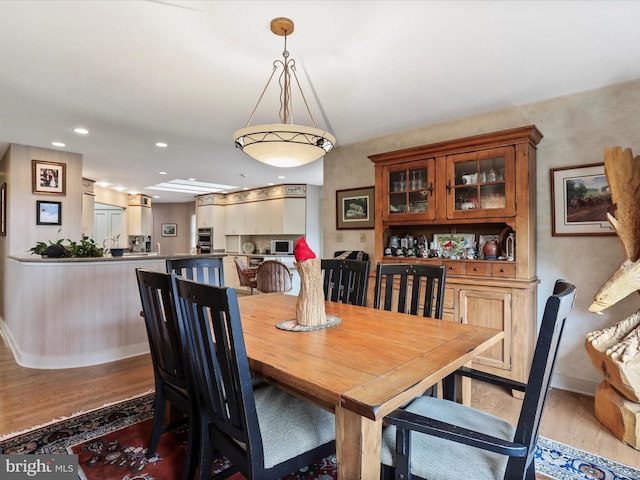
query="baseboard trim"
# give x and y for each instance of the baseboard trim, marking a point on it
(576, 385)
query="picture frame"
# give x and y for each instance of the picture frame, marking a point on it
(48, 178)
(580, 199)
(48, 213)
(3, 210)
(355, 208)
(455, 243)
(169, 230)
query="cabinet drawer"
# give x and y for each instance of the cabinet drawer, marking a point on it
(479, 269)
(507, 270)
(454, 268)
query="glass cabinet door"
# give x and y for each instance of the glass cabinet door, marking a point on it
(409, 191)
(481, 184)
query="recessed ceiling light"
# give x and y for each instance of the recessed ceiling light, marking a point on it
(161, 145)
(162, 173)
(281, 176)
(103, 184)
(81, 131)
(191, 179)
(156, 196)
(270, 183)
(120, 189)
(246, 188)
(58, 144)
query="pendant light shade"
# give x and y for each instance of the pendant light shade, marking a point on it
(284, 144)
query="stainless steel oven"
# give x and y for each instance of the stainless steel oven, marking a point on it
(205, 240)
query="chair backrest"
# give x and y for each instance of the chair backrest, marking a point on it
(351, 255)
(204, 270)
(417, 289)
(246, 277)
(160, 316)
(209, 319)
(345, 281)
(544, 358)
(273, 276)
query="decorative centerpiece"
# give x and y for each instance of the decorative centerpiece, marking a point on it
(310, 311)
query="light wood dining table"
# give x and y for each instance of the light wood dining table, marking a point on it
(361, 369)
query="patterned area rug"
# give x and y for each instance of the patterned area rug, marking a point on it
(111, 444)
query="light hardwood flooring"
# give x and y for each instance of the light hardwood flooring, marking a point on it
(31, 397)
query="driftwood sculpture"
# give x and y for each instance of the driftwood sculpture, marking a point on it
(615, 351)
(623, 176)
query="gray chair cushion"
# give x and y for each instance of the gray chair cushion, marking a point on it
(290, 426)
(427, 459)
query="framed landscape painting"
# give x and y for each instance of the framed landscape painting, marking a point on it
(355, 208)
(48, 178)
(580, 199)
(169, 230)
(48, 213)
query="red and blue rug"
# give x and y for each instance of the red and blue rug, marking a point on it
(111, 445)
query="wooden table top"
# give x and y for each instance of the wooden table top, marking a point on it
(370, 364)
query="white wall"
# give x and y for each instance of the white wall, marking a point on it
(576, 129)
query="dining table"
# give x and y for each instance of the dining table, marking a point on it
(364, 367)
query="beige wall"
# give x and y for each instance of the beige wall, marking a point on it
(576, 129)
(178, 213)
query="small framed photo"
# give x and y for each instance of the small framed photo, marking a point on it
(355, 208)
(48, 178)
(580, 198)
(48, 213)
(169, 230)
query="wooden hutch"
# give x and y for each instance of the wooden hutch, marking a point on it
(481, 185)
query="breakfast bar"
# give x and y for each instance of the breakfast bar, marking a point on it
(75, 312)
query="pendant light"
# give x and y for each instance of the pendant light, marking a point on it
(284, 144)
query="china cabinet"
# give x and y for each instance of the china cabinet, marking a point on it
(480, 187)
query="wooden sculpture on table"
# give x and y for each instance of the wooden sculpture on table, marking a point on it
(615, 351)
(310, 310)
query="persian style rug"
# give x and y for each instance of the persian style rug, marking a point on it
(111, 445)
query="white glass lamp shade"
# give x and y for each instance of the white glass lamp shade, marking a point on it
(284, 145)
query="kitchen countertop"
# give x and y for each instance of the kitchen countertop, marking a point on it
(136, 257)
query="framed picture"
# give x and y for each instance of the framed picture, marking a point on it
(48, 213)
(453, 244)
(169, 230)
(580, 198)
(3, 210)
(48, 178)
(355, 208)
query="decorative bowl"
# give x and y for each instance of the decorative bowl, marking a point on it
(117, 252)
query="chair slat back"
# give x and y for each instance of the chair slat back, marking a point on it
(204, 270)
(246, 278)
(345, 281)
(165, 344)
(555, 314)
(416, 289)
(273, 276)
(209, 319)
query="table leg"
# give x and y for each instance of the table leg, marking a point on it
(357, 445)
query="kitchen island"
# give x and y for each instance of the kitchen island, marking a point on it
(75, 312)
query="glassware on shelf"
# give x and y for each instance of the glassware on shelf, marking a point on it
(413, 185)
(402, 184)
(420, 180)
(492, 176)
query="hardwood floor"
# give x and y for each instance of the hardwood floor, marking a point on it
(31, 397)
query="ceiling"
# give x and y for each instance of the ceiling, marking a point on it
(189, 73)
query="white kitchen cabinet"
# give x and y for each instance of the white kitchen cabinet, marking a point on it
(231, 274)
(234, 219)
(140, 218)
(88, 218)
(294, 216)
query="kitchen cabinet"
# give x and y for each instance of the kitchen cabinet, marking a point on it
(88, 215)
(140, 218)
(231, 279)
(279, 216)
(482, 185)
(234, 219)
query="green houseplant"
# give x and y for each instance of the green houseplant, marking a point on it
(86, 248)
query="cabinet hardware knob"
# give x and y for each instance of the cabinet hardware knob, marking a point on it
(502, 269)
(430, 189)
(449, 186)
(476, 269)
(450, 268)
